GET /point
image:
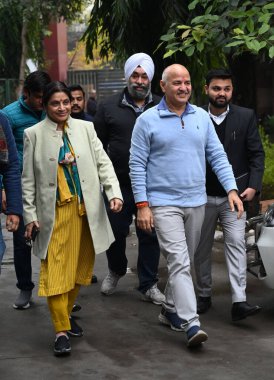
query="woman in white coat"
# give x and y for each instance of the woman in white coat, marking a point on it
(64, 168)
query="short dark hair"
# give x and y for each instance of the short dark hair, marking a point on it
(36, 81)
(52, 88)
(218, 73)
(76, 87)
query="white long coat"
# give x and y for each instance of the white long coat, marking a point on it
(39, 180)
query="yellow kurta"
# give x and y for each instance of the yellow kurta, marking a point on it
(70, 258)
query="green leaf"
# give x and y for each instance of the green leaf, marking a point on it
(253, 45)
(263, 29)
(246, 3)
(238, 37)
(193, 5)
(188, 42)
(250, 25)
(238, 31)
(196, 35)
(262, 44)
(190, 50)
(271, 38)
(225, 24)
(269, 6)
(252, 12)
(265, 17)
(183, 27)
(167, 37)
(169, 53)
(47, 33)
(271, 52)
(172, 46)
(234, 43)
(198, 19)
(185, 34)
(233, 3)
(204, 19)
(208, 10)
(237, 14)
(200, 46)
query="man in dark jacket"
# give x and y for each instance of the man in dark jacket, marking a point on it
(78, 103)
(237, 130)
(10, 180)
(22, 114)
(92, 104)
(114, 122)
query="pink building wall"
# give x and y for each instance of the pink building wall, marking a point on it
(56, 51)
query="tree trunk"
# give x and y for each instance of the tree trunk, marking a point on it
(23, 58)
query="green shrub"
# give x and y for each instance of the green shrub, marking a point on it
(268, 179)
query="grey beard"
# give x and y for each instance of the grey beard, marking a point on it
(139, 95)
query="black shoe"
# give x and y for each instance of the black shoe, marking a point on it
(76, 307)
(75, 329)
(62, 346)
(203, 304)
(241, 310)
(94, 279)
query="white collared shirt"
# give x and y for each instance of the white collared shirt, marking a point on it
(218, 119)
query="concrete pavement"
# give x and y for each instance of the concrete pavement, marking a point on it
(123, 339)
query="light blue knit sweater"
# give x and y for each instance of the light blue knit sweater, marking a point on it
(168, 159)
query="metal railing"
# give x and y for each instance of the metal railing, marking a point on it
(106, 82)
(7, 91)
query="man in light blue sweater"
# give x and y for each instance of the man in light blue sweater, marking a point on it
(170, 145)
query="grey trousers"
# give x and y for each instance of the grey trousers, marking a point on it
(178, 230)
(234, 248)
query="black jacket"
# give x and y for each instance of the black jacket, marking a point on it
(244, 147)
(82, 116)
(114, 122)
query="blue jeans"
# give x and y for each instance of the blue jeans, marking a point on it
(22, 258)
(2, 246)
(148, 247)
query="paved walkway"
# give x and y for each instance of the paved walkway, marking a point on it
(124, 340)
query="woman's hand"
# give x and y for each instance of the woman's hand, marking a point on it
(29, 228)
(116, 204)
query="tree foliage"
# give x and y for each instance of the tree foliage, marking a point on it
(221, 33)
(201, 34)
(29, 19)
(125, 27)
(268, 185)
(218, 29)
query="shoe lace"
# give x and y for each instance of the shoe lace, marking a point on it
(112, 277)
(154, 290)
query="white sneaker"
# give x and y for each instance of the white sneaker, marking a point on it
(110, 282)
(154, 295)
(23, 300)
